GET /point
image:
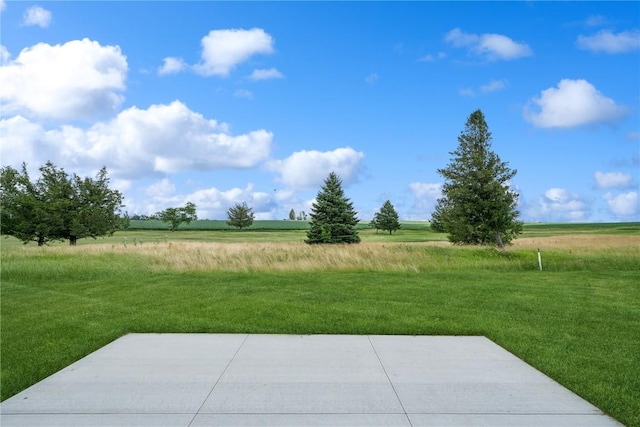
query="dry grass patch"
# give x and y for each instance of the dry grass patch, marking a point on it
(585, 243)
(246, 257)
(366, 256)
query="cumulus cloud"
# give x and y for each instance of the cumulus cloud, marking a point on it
(558, 204)
(572, 103)
(606, 180)
(222, 50)
(491, 47)
(426, 190)
(266, 74)
(172, 65)
(4, 55)
(76, 80)
(36, 16)
(308, 169)
(161, 139)
(163, 188)
(425, 197)
(212, 203)
(609, 42)
(623, 206)
(19, 142)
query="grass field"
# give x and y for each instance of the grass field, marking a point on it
(578, 320)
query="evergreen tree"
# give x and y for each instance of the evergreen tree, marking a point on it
(477, 206)
(292, 215)
(333, 218)
(240, 215)
(386, 218)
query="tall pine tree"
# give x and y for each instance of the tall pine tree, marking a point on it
(478, 206)
(333, 218)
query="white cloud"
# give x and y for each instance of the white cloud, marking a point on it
(371, 78)
(466, 91)
(266, 74)
(558, 204)
(243, 93)
(76, 80)
(222, 50)
(425, 197)
(572, 103)
(596, 21)
(425, 190)
(18, 137)
(122, 185)
(161, 139)
(609, 42)
(4, 55)
(213, 203)
(3, 5)
(36, 15)
(606, 180)
(308, 169)
(623, 205)
(493, 85)
(492, 47)
(163, 188)
(432, 58)
(172, 65)
(459, 38)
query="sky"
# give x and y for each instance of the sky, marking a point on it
(219, 103)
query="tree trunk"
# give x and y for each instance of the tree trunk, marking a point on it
(40, 240)
(498, 239)
(73, 240)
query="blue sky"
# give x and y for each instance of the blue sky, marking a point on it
(224, 102)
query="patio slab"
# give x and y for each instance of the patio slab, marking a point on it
(292, 380)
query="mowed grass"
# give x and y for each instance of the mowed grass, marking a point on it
(578, 320)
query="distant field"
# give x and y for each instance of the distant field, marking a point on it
(215, 224)
(275, 225)
(578, 320)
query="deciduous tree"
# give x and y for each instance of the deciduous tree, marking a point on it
(478, 206)
(176, 216)
(57, 206)
(333, 218)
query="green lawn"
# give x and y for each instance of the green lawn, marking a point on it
(578, 321)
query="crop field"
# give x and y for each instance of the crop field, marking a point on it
(577, 321)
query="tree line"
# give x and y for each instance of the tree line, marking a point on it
(477, 204)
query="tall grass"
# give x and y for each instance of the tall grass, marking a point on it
(560, 253)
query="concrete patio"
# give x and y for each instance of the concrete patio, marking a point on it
(292, 380)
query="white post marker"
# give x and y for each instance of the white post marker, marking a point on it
(539, 259)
